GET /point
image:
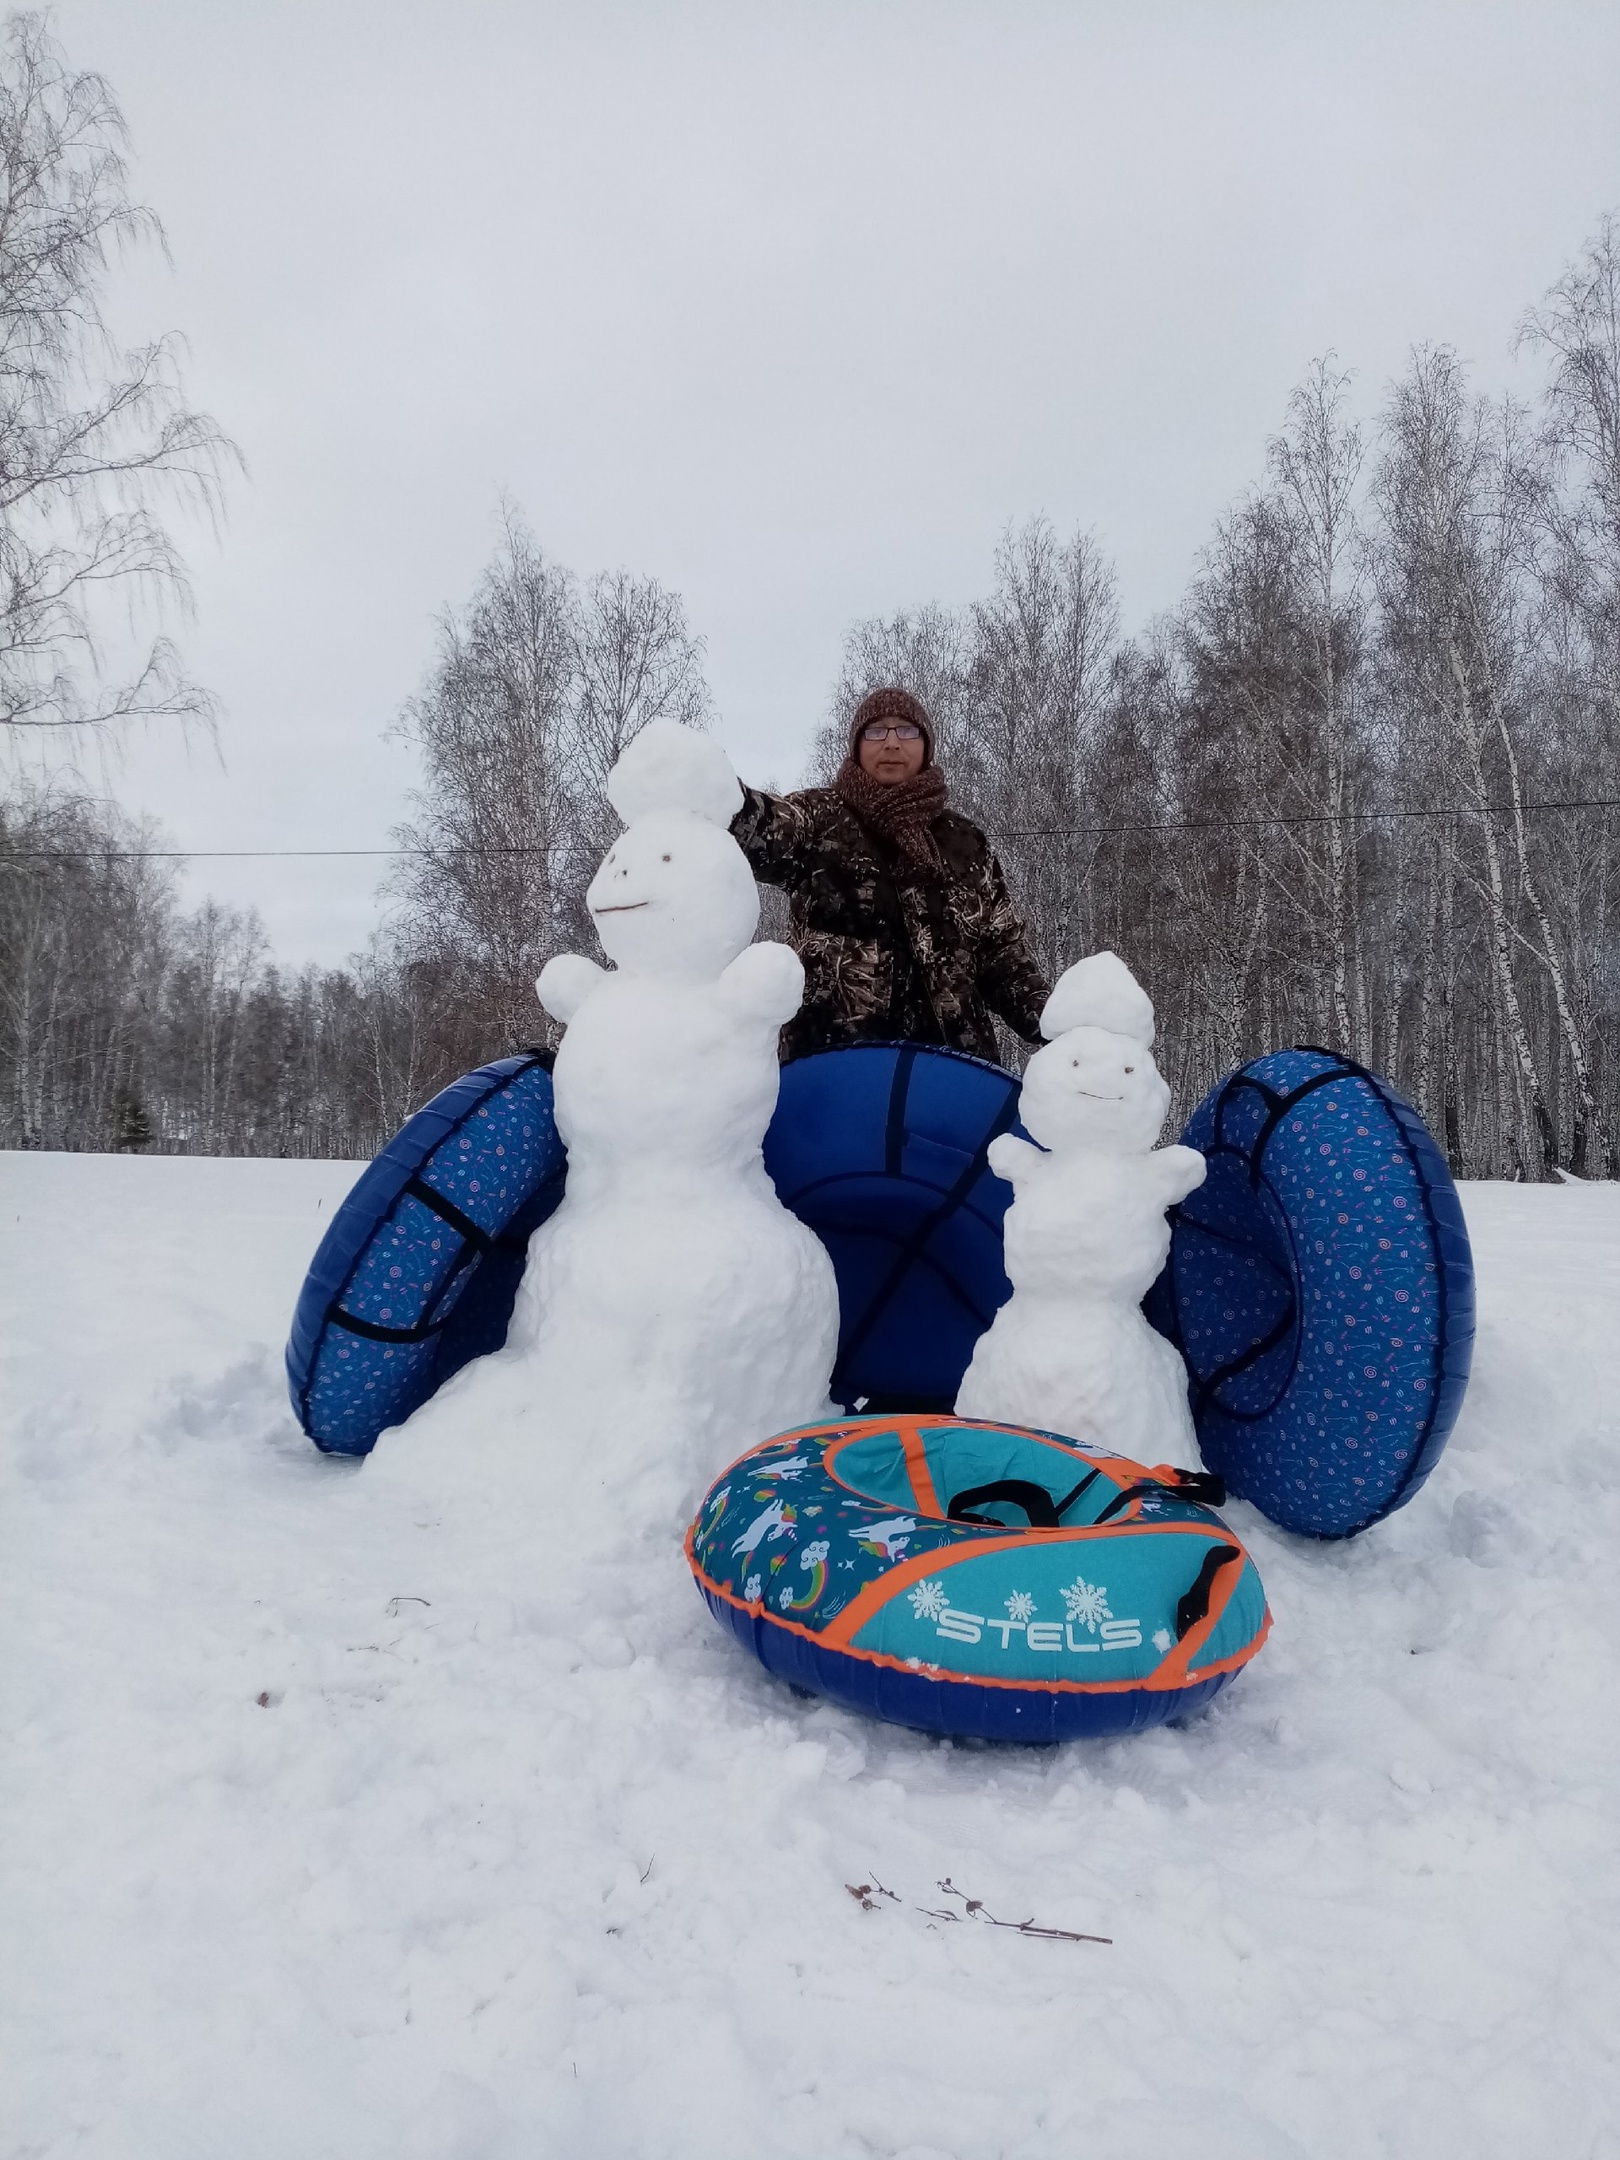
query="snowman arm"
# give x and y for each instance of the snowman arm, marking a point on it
(564, 983)
(1181, 1169)
(764, 982)
(1012, 1158)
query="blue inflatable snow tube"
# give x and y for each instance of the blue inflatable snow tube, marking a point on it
(967, 1577)
(1321, 1290)
(880, 1150)
(420, 1267)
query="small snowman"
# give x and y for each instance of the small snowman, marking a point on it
(1086, 1235)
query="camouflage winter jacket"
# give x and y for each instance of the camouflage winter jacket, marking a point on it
(891, 954)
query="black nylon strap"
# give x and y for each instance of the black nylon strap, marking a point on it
(1044, 1512)
(1194, 1604)
(1036, 1502)
(449, 1213)
(1281, 1109)
(894, 1129)
(1278, 1332)
(1070, 1497)
(1229, 1087)
(475, 1244)
(374, 1331)
(1201, 1486)
(1204, 1486)
(1127, 1493)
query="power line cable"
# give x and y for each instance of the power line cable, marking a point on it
(1032, 832)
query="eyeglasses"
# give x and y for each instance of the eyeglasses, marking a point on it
(880, 731)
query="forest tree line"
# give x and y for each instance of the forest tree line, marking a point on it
(1361, 788)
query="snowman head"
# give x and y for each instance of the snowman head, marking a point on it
(1094, 1089)
(674, 896)
(1095, 1085)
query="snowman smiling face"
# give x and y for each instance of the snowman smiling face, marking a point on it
(674, 898)
(1094, 1089)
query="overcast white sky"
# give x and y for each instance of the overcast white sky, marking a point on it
(793, 306)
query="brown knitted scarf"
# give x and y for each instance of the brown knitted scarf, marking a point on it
(903, 812)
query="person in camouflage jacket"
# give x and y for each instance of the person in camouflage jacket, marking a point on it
(899, 909)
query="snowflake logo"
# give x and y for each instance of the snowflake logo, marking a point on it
(928, 1600)
(1021, 1606)
(1087, 1602)
(814, 1553)
(751, 1588)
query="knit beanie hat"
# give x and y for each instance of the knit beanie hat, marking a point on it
(891, 704)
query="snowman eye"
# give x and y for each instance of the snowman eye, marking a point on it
(1130, 1068)
(664, 858)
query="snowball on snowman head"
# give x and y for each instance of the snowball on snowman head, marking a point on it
(1095, 1084)
(1101, 992)
(674, 897)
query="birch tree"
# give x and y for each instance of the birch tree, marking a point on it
(1452, 600)
(493, 729)
(1038, 673)
(95, 441)
(1316, 467)
(535, 690)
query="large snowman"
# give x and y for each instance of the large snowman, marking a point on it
(672, 1311)
(1086, 1235)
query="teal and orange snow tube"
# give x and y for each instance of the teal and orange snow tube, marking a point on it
(979, 1579)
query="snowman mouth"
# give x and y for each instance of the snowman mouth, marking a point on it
(1091, 1097)
(625, 907)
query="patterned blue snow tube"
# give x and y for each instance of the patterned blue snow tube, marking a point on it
(849, 1559)
(420, 1267)
(1321, 1290)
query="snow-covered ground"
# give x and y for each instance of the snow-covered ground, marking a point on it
(340, 1823)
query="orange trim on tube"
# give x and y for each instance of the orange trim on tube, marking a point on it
(1173, 1672)
(922, 1480)
(947, 1676)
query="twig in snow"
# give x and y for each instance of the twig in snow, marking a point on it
(647, 1870)
(976, 1909)
(862, 1892)
(394, 1603)
(866, 1895)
